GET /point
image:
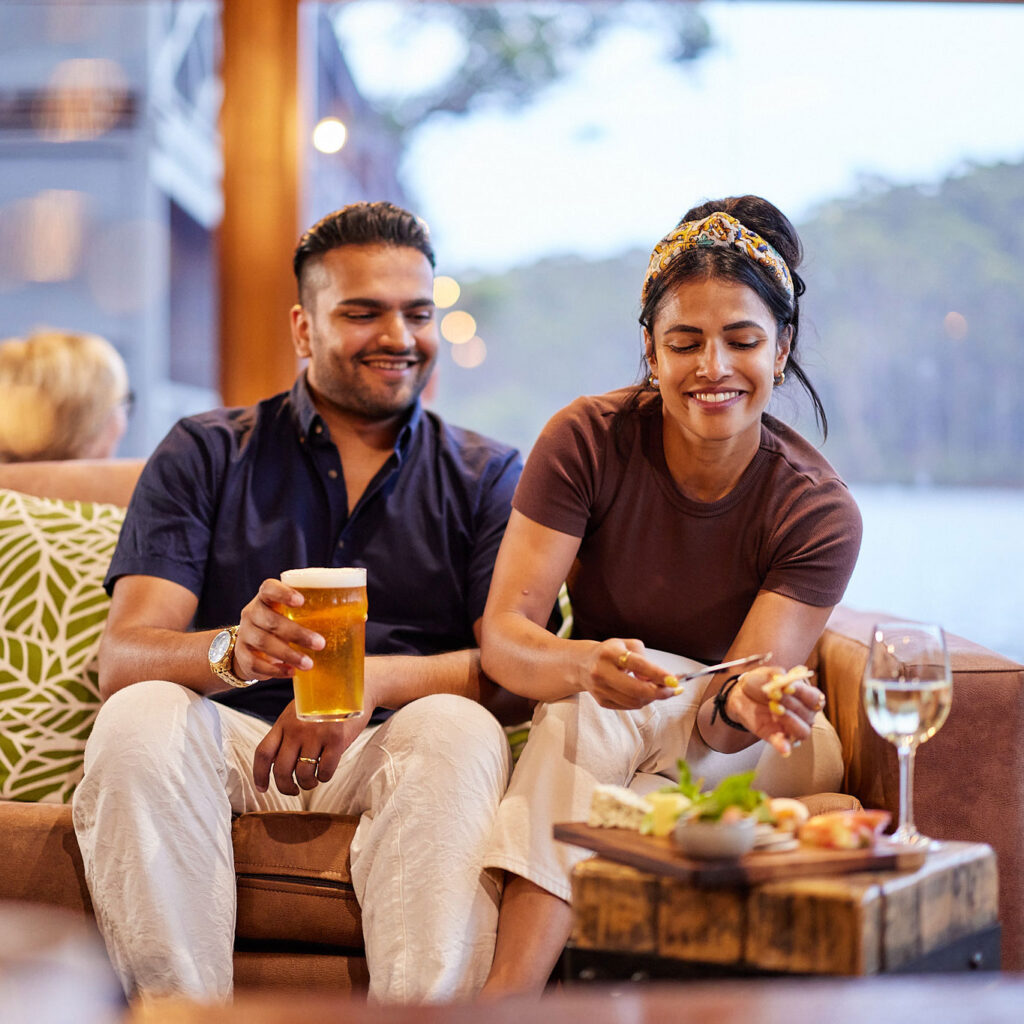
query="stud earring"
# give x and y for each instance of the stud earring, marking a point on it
(652, 381)
(779, 378)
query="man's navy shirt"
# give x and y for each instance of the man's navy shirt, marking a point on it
(235, 496)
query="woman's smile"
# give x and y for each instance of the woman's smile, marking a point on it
(716, 400)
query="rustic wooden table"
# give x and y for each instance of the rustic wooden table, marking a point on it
(942, 916)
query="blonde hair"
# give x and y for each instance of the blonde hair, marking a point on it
(58, 394)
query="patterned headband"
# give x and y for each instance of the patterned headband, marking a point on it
(717, 230)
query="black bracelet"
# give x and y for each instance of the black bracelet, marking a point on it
(719, 700)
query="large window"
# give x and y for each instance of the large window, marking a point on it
(110, 189)
(550, 145)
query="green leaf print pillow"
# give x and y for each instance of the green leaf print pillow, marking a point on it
(53, 557)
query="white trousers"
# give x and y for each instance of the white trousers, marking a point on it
(164, 771)
(575, 744)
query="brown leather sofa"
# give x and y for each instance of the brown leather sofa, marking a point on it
(298, 920)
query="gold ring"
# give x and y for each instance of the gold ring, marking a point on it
(623, 658)
(309, 760)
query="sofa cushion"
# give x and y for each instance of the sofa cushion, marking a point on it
(53, 557)
(294, 883)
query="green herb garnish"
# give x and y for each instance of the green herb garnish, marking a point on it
(733, 791)
(686, 784)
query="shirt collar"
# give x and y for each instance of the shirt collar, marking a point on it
(409, 428)
(306, 416)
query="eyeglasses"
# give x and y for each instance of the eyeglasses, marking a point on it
(127, 402)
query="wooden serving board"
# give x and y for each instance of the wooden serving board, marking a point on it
(658, 855)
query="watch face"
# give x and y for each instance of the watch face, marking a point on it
(219, 646)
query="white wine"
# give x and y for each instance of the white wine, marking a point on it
(907, 693)
(909, 712)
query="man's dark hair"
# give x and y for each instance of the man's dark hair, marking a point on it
(361, 224)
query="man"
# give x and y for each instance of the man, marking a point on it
(344, 469)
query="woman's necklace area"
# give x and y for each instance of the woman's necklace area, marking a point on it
(709, 472)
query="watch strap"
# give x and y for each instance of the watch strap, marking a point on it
(222, 668)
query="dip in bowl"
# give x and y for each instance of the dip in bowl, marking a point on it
(714, 840)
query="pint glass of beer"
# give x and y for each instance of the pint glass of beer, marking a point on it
(335, 607)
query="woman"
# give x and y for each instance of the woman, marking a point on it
(684, 519)
(65, 397)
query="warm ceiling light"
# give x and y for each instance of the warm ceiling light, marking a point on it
(329, 135)
(955, 325)
(85, 97)
(446, 291)
(458, 327)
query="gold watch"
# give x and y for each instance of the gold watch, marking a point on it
(222, 650)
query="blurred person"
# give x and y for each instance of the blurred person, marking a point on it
(65, 396)
(198, 722)
(685, 519)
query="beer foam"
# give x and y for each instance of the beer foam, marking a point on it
(323, 577)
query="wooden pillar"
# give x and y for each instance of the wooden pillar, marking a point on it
(259, 119)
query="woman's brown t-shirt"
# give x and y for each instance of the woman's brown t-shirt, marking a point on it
(679, 574)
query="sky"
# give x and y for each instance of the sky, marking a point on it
(799, 102)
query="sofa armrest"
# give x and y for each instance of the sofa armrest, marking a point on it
(968, 779)
(42, 862)
(105, 480)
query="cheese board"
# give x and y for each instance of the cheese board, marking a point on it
(658, 855)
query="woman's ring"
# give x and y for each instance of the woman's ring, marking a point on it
(623, 658)
(309, 760)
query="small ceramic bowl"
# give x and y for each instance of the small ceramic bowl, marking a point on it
(715, 840)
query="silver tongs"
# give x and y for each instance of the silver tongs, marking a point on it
(710, 670)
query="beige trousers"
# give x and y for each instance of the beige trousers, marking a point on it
(165, 770)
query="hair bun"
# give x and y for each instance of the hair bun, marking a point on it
(761, 216)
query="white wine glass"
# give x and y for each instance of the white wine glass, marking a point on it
(908, 691)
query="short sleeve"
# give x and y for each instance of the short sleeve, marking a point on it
(559, 484)
(490, 520)
(816, 544)
(169, 522)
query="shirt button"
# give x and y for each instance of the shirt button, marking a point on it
(318, 429)
(333, 474)
(341, 545)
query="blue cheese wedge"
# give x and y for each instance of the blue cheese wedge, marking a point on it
(616, 807)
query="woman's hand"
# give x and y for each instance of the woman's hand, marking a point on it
(619, 676)
(784, 722)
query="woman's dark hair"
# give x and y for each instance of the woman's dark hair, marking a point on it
(361, 224)
(725, 262)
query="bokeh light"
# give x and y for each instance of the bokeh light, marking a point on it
(458, 327)
(471, 354)
(46, 233)
(329, 135)
(86, 97)
(446, 291)
(955, 325)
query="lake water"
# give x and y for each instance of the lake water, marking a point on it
(946, 555)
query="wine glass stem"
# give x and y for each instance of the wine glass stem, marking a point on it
(905, 755)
